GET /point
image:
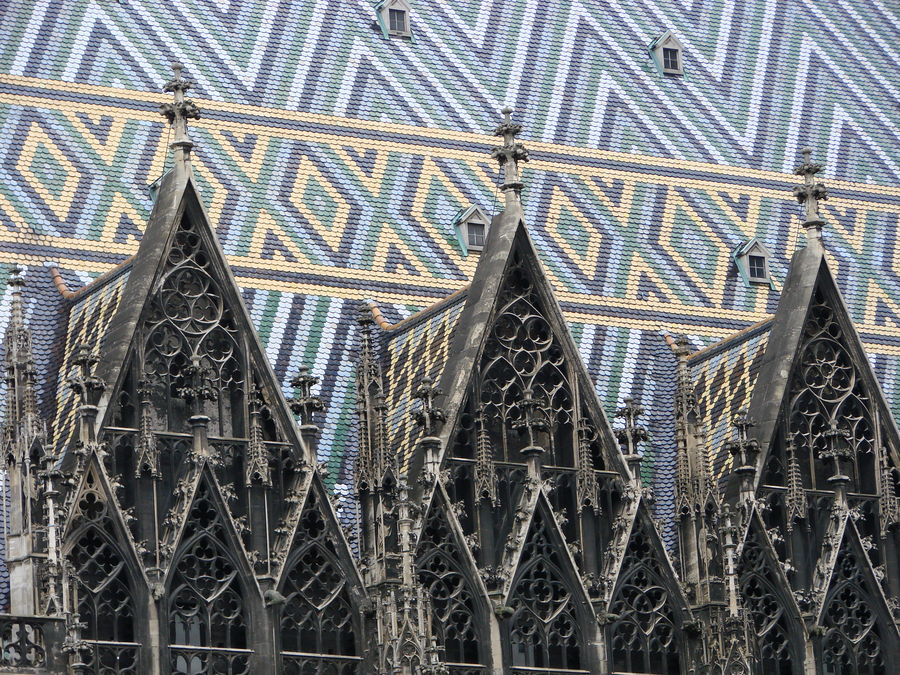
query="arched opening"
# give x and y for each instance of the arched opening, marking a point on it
(208, 617)
(317, 623)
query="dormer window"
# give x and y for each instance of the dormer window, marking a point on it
(752, 260)
(471, 226)
(393, 17)
(756, 268)
(475, 232)
(667, 53)
(670, 58)
(397, 21)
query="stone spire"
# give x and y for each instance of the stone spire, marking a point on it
(631, 436)
(371, 408)
(22, 439)
(810, 194)
(178, 113)
(509, 155)
(22, 421)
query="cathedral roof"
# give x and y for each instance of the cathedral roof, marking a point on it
(415, 348)
(724, 377)
(337, 181)
(90, 312)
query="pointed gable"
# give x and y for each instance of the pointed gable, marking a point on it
(647, 608)
(319, 587)
(447, 571)
(768, 600)
(210, 590)
(858, 631)
(816, 380)
(551, 617)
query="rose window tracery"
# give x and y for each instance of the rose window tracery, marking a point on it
(544, 630)
(522, 354)
(643, 638)
(454, 614)
(205, 597)
(190, 330)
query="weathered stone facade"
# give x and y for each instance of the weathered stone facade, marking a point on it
(502, 523)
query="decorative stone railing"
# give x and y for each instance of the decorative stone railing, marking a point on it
(31, 644)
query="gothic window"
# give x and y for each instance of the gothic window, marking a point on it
(544, 630)
(765, 608)
(851, 643)
(829, 403)
(317, 622)
(523, 357)
(192, 347)
(643, 638)
(206, 606)
(453, 605)
(103, 592)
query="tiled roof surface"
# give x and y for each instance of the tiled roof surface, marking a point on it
(724, 376)
(332, 163)
(762, 79)
(88, 319)
(413, 351)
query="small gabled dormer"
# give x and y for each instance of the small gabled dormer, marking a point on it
(752, 261)
(471, 227)
(667, 53)
(393, 18)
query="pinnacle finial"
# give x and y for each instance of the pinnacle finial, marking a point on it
(508, 156)
(810, 194)
(15, 279)
(179, 112)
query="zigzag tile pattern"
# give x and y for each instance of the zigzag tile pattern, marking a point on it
(724, 376)
(88, 318)
(412, 351)
(762, 79)
(333, 160)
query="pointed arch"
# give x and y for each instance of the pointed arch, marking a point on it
(765, 597)
(208, 606)
(549, 611)
(858, 635)
(645, 635)
(105, 590)
(459, 619)
(318, 626)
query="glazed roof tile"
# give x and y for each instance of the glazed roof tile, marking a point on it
(88, 318)
(724, 375)
(417, 348)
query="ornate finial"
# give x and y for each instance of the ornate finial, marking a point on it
(15, 280)
(305, 403)
(179, 112)
(839, 451)
(631, 435)
(810, 194)
(16, 283)
(532, 421)
(429, 416)
(509, 155)
(86, 386)
(744, 449)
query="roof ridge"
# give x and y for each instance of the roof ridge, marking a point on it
(745, 334)
(92, 285)
(418, 316)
